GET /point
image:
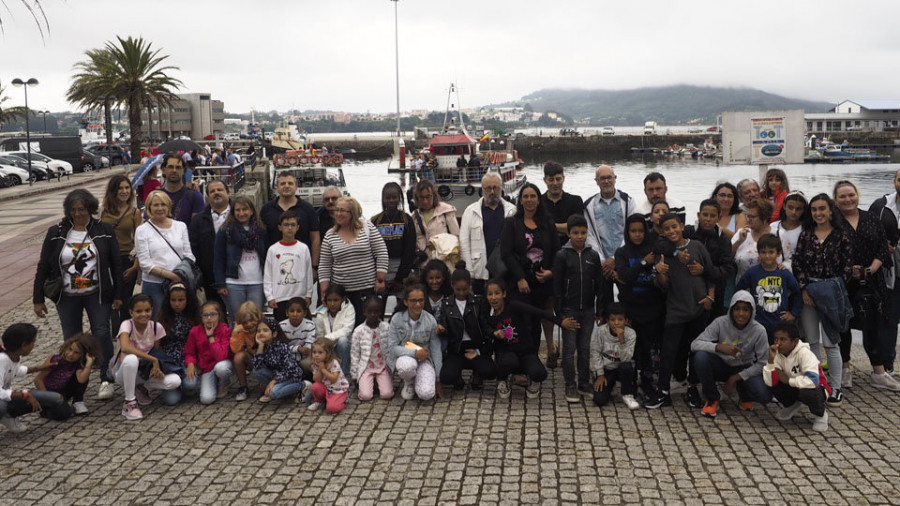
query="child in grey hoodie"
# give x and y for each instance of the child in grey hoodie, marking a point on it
(733, 349)
(612, 346)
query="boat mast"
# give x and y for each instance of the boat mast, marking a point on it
(397, 63)
(448, 114)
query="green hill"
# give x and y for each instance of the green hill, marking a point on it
(668, 104)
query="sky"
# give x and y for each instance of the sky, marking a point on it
(339, 55)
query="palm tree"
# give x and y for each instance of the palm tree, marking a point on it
(36, 10)
(125, 72)
(9, 113)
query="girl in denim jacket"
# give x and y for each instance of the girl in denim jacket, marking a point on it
(415, 348)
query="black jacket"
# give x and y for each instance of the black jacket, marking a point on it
(202, 234)
(578, 281)
(719, 248)
(513, 246)
(471, 321)
(109, 263)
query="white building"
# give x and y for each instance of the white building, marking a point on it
(868, 115)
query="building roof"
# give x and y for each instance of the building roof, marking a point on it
(877, 104)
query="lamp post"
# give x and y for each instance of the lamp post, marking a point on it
(44, 115)
(19, 83)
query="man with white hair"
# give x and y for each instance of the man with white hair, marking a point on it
(479, 232)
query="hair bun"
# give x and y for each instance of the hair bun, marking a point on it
(460, 265)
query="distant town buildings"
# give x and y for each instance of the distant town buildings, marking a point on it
(195, 115)
(849, 115)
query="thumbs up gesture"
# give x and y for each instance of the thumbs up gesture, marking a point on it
(662, 267)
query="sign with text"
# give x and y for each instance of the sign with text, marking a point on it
(768, 142)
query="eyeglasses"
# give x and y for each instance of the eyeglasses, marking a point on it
(725, 196)
(329, 199)
(210, 315)
(289, 224)
(415, 301)
(491, 188)
(605, 178)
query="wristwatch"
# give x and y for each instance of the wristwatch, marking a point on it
(643, 262)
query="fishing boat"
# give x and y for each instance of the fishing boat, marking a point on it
(456, 163)
(314, 170)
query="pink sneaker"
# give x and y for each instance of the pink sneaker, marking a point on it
(131, 411)
(142, 395)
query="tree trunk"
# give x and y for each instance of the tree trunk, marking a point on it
(107, 116)
(135, 124)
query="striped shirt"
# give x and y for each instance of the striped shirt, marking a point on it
(353, 265)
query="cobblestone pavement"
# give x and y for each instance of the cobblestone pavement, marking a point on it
(470, 449)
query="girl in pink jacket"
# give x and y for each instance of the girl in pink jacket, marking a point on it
(207, 355)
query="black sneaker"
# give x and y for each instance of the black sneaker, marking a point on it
(657, 400)
(572, 393)
(476, 382)
(692, 397)
(836, 398)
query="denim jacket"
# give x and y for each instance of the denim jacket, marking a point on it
(227, 256)
(833, 306)
(401, 331)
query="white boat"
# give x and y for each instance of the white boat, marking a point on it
(314, 170)
(461, 186)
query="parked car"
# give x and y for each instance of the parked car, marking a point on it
(60, 166)
(607, 131)
(91, 161)
(695, 130)
(65, 149)
(569, 132)
(114, 152)
(714, 129)
(13, 175)
(39, 170)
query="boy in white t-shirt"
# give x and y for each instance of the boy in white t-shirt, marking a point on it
(288, 271)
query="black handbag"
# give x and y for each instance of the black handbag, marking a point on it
(186, 269)
(495, 265)
(865, 308)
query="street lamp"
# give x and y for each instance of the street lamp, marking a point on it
(19, 83)
(44, 115)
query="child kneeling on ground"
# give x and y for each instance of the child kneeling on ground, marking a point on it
(368, 353)
(612, 346)
(796, 377)
(732, 349)
(18, 341)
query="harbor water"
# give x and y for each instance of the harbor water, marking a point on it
(690, 181)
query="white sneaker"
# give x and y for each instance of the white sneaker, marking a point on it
(80, 408)
(885, 381)
(820, 423)
(13, 424)
(631, 402)
(788, 412)
(409, 391)
(106, 391)
(503, 390)
(678, 387)
(533, 390)
(314, 406)
(846, 377)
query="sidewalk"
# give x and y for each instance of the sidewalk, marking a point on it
(72, 181)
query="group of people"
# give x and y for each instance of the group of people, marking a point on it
(642, 298)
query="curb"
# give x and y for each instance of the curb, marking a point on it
(38, 188)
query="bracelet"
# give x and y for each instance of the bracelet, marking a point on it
(710, 298)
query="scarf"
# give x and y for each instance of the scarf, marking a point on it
(248, 239)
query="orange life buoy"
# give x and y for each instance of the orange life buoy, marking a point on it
(338, 159)
(303, 160)
(292, 160)
(326, 159)
(278, 160)
(314, 159)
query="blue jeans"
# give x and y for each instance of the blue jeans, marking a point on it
(52, 405)
(580, 341)
(342, 348)
(238, 294)
(283, 389)
(156, 293)
(711, 368)
(209, 382)
(71, 310)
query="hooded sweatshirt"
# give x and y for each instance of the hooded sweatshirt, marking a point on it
(638, 291)
(578, 280)
(801, 365)
(751, 339)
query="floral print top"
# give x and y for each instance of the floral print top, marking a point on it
(278, 358)
(173, 343)
(831, 258)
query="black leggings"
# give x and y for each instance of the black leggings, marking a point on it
(525, 363)
(812, 397)
(455, 363)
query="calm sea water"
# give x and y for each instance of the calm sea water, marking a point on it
(690, 181)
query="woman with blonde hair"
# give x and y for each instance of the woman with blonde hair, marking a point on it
(353, 255)
(161, 244)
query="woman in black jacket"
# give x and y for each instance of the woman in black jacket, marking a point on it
(462, 325)
(528, 245)
(83, 254)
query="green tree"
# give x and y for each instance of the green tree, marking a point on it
(8, 114)
(128, 72)
(35, 9)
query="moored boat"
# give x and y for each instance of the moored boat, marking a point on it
(314, 170)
